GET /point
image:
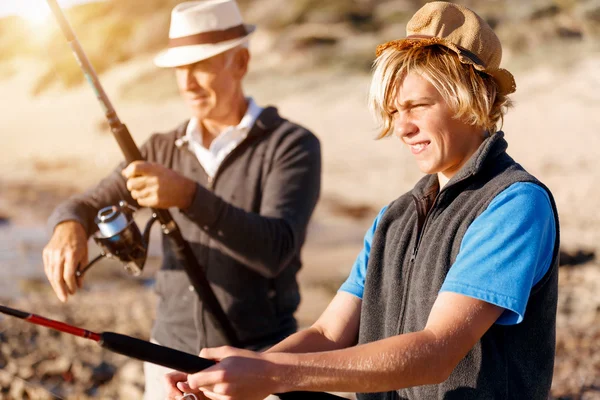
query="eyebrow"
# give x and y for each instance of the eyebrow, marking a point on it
(418, 100)
(195, 65)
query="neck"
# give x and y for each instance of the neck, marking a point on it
(469, 150)
(212, 127)
(443, 179)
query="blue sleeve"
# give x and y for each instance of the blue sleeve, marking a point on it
(355, 284)
(506, 251)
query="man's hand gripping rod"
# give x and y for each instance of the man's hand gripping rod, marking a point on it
(131, 152)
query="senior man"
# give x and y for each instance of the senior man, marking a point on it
(240, 180)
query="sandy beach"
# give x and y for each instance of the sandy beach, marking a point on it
(57, 144)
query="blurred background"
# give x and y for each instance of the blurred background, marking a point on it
(311, 59)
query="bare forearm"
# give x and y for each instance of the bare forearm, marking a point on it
(309, 340)
(336, 329)
(389, 364)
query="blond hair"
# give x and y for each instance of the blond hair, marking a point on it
(472, 95)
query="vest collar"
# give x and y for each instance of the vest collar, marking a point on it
(490, 149)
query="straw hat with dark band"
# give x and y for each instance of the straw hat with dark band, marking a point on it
(461, 30)
(203, 29)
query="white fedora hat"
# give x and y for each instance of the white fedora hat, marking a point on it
(202, 29)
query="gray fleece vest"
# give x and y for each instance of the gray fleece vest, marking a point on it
(415, 244)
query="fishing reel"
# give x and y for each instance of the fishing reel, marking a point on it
(119, 237)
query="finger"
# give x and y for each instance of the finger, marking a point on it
(174, 393)
(214, 396)
(57, 278)
(46, 261)
(201, 396)
(138, 194)
(172, 378)
(184, 387)
(79, 278)
(70, 267)
(149, 200)
(49, 270)
(83, 260)
(215, 353)
(136, 183)
(209, 377)
(143, 193)
(135, 168)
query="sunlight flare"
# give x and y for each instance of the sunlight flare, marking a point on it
(34, 12)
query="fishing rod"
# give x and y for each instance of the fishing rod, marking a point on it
(181, 247)
(145, 351)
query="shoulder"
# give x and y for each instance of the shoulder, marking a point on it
(281, 128)
(522, 215)
(284, 138)
(523, 198)
(504, 182)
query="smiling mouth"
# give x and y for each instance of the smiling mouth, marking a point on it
(417, 148)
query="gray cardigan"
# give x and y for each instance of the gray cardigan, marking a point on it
(246, 227)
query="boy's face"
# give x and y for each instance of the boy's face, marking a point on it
(425, 123)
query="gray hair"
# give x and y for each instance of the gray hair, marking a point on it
(231, 52)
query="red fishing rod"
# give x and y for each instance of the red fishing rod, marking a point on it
(145, 351)
(122, 344)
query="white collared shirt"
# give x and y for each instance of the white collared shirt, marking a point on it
(222, 145)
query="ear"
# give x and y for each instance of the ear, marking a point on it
(240, 62)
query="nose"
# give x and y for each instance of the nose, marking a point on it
(404, 125)
(191, 82)
(187, 80)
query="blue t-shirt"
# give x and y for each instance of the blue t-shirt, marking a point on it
(506, 250)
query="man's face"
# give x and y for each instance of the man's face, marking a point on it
(209, 87)
(426, 124)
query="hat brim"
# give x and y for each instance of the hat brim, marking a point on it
(186, 55)
(504, 79)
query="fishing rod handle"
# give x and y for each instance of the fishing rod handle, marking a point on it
(126, 144)
(153, 353)
(180, 361)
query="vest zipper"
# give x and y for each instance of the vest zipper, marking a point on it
(417, 244)
(413, 257)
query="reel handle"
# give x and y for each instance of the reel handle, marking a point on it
(79, 273)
